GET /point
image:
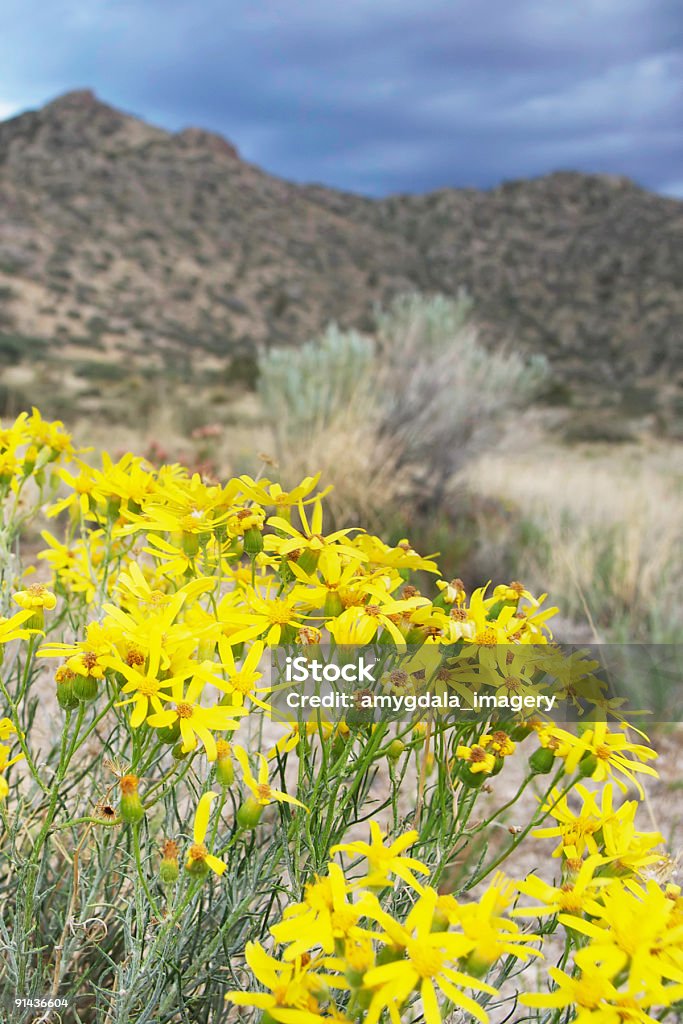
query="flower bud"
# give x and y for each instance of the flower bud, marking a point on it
(571, 867)
(541, 761)
(339, 745)
(477, 965)
(169, 733)
(30, 459)
(249, 814)
(66, 698)
(113, 509)
(285, 573)
(472, 780)
(85, 687)
(520, 732)
(225, 771)
(36, 620)
(587, 765)
(395, 749)
(389, 955)
(362, 713)
(308, 560)
(354, 977)
(168, 869)
(132, 810)
(419, 733)
(440, 921)
(253, 541)
(190, 544)
(196, 860)
(333, 605)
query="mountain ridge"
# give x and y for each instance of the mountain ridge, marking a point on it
(166, 250)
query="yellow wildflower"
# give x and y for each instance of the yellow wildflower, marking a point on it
(384, 861)
(199, 860)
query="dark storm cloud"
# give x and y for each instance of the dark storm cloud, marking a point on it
(379, 95)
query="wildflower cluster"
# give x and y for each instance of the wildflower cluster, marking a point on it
(346, 957)
(145, 785)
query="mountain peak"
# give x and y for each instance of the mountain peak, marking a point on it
(75, 99)
(72, 122)
(201, 138)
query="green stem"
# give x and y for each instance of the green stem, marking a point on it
(141, 873)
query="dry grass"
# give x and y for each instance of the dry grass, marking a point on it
(606, 535)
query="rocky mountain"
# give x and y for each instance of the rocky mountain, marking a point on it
(126, 248)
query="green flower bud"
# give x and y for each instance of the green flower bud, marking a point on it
(285, 573)
(587, 765)
(520, 732)
(253, 541)
(308, 560)
(360, 715)
(190, 544)
(113, 510)
(225, 770)
(440, 922)
(132, 810)
(477, 966)
(472, 779)
(168, 869)
(85, 688)
(169, 733)
(288, 634)
(35, 621)
(395, 749)
(333, 605)
(354, 977)
(389, 955)
(541, 761)
(66, 698)
(249, 814)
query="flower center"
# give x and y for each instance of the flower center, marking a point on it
(280, 613)
(148, 687)
(486, 637)
(570, 900)
(427, 962)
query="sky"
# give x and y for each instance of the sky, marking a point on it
(377, 96)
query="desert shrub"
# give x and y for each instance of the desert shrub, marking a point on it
(15, 347)
(420, 397)
(98, 370)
